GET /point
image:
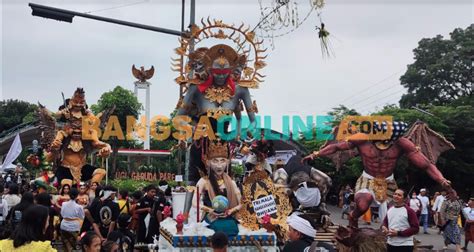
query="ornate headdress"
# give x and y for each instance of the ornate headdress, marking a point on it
(78, 98)
(217, 149)
(246, 47)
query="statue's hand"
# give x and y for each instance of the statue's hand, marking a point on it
(105, 151)
(309, 157)
(446, 184)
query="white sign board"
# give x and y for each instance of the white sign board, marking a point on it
(178, 178)
(264, 205)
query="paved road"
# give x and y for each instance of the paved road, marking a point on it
(426, 239)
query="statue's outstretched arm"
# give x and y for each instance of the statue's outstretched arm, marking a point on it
(331, 149)
(419, 160)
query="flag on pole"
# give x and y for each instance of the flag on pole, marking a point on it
(13, 153)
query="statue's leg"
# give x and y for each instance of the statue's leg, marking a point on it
(363, 200)
(63, 173)
(195, 163)
(98, 175)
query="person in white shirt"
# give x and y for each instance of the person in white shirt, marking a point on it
(73, 215)
(12, 197)
(468, 213)
(400, 224)
(415, 204)
(425, 202)
(437, 207)
(3, 206)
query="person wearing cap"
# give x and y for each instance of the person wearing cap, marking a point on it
(301, 233)
(400, 224)
(469, 227)
(425, 202)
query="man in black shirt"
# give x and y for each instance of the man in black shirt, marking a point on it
(144, 209)
(103, 213)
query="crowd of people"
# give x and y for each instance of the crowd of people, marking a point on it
(444, 211)
(90, 217)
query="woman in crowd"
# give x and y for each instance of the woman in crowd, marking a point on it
(92, 191)
(136, 196)
(15, 214)
(90, 242)
(83, 197)
(3, 207)
(63, 195)
(29, 236)
(449, 215)
(12, 197)
(44, 199)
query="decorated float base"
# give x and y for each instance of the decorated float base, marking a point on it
(197, 238)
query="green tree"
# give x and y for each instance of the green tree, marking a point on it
(126, 104)
(442, 71)
(14, 112)
(338, 113)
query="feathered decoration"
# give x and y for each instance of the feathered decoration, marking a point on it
(323, 35)
(47, 125)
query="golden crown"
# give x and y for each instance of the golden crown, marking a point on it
(217, 150)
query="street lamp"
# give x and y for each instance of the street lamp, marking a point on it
(67, 16)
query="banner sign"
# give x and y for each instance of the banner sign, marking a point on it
(145, 176)
(264, 205)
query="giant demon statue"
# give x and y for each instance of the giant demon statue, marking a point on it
(64, 143)
(379, 159)
(215, 82)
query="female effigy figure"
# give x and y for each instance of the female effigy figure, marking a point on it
(218, 183)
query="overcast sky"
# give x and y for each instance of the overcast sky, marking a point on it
(372, 40)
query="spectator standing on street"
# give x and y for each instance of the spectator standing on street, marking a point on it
(437, 208)
(449, 217)
(72, 216)
(16, 213)
(425, 202)
(44, 199)
(104, 212)
(346, 207)
(469, 226)
(90, 242)
(29, 236)
(219, 242)
(415, 204)
(400, 225)
(3, 207)
(12, 197)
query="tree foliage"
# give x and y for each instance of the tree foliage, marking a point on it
(14, 112)
(126, 104)
(442, 71)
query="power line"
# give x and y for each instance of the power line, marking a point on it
(380, 92)
(116, 7)
(367, 88)
(391, 94)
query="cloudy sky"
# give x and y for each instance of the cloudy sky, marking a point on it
(372, 40)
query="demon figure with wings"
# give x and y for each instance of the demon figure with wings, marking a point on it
(62, 139)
